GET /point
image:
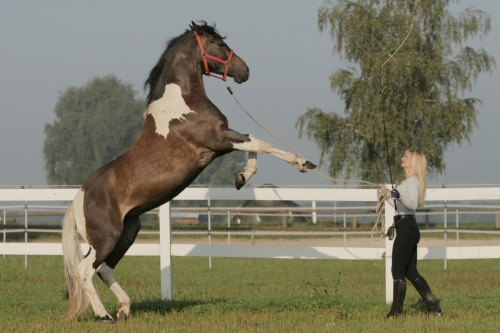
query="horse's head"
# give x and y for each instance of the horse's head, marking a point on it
(216, 56)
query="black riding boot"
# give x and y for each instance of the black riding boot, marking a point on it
(398, 298)
(430, 301)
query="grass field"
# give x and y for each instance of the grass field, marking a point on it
(254, 295)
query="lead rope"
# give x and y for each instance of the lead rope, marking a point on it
(382, 192)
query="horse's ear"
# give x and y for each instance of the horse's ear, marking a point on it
(194, 27)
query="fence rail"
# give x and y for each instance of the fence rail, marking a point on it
(165, 249)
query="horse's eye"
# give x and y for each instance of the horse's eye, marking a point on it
(220, 43)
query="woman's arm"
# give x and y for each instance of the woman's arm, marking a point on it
(409, 193)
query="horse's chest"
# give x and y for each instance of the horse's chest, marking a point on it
(171, 106)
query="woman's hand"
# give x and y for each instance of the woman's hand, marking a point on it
(396, 195)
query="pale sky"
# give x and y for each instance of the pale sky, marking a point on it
(49, 46)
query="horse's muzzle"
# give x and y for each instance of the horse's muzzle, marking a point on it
(241, 77)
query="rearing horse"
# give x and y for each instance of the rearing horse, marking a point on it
(183, 132)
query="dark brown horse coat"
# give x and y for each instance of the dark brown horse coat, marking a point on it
(157, 167)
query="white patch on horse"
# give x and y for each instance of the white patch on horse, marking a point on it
(262, 147)
(106, 273)
(170, 106)
(79, 216)
(257, 146)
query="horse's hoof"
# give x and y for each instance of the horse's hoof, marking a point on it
(107, 320)
(308, 166)
(120, 315)
(239, 180)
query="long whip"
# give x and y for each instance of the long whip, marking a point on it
(382, 192)
(383, 111)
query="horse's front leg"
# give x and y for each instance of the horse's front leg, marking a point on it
(251, 144)
(241, 178)
(262, 147)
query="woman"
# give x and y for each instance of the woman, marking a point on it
(408, 196)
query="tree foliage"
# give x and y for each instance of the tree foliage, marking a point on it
(94, 124)
(424, 84)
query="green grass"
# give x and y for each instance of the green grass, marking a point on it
(254, 295)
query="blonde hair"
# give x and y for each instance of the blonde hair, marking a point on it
(419, 169)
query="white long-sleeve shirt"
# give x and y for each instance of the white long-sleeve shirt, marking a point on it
(409, 190)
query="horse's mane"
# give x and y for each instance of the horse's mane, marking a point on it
(155, 74)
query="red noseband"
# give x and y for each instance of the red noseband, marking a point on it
(227, 62)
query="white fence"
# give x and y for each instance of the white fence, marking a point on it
(165, 249)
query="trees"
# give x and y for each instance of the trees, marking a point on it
(424, 84)
(94, 124)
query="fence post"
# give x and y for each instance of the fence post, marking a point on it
(445, 233)
(4, 234)
(334, 212)
(26, 232)
(228, 227)
(315, 218)
(165, 252)
(389, 218)
(209, 233)
(345, 226)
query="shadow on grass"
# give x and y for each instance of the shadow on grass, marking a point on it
(419, 306)
(165, 307)
(259, 304)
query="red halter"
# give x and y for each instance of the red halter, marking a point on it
(227, 62)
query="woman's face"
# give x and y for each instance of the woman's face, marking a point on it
(406, 160)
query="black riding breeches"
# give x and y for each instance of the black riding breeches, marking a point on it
(404, 251)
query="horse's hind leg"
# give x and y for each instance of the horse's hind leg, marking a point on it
(85, 271)
(241, 178)
(131, 227)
